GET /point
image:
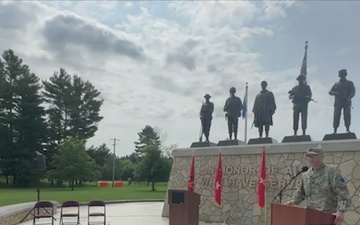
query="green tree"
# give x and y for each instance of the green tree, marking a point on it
(74, 106)
(73, 164)
(127, 169)
(100, 154)
(21, 117)
(150, 167)
(148, 136)
(73, 109)
(85, 108)
(57, 95)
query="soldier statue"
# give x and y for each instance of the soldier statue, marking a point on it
(232, 107)
(344, 91)
(206, 111)
(301, 96)
(263, 109)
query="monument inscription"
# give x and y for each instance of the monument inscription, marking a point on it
(238, 176)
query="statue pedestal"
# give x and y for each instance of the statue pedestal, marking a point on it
(203, 144)
(230, 142)
(339, 136)
(268, 140)
(297, 138)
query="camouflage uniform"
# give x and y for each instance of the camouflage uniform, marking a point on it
(324, 189)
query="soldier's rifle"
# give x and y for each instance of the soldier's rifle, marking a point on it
(291, 96)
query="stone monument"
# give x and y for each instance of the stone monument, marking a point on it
(232, 109)
(241, 165)
(300, 95)
(206, 111)
(263, 109)
(343, 91)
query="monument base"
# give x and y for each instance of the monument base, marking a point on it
(297, 138)
(339, 136)
(230, 142)
(267, 140)
(202, 144)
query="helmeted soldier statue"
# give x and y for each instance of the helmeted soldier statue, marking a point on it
(233, 107)
(301, 95)
(206, 111)
(344, 91)
(264, 109)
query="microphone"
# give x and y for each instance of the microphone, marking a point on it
(303, 169)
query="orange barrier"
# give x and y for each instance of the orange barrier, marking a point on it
(109, 184)
(103, 184)
(119, 184)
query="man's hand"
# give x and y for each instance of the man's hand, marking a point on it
(291, 202)
(339, 218)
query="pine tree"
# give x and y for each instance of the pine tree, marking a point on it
(21, 118)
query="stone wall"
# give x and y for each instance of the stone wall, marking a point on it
(14, 214)
(240, 177)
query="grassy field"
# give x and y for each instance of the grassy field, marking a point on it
(10, 196)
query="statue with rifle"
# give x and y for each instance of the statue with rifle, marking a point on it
(344, 91)
(207, 108)
(300, 95)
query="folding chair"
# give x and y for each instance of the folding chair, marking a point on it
(44, 210)
(98, 205)
(70, 209)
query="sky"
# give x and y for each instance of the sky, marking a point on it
(154, 61)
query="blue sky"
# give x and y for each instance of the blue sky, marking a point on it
(153, 61)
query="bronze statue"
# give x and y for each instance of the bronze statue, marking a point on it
(233, 106)
(206, 111)
(263, 109)
(301, 96)
(344, 91)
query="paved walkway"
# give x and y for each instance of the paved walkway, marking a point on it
(142, 213)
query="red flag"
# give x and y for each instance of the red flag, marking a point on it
(262, 181)
(218, 181)
(192, 175)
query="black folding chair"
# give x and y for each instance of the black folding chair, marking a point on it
(70, 209)
(97, 209)
(43, 211)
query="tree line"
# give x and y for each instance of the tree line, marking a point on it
(56, 117)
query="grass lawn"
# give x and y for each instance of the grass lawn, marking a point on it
(10, 196)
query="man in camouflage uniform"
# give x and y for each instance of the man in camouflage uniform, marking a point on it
(344, 91)
(323, 187)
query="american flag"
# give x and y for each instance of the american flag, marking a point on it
(303, 70)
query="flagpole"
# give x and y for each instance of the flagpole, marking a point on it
(265, 207)
(246, 115)
(304, 63)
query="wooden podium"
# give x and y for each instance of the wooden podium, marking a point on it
(296, 215)
(183, 207)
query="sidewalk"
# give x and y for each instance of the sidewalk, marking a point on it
(148, 213)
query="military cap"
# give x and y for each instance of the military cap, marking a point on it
(314, 151)
(207, 96)
(342, 72)
(233, 89)
(300, 77)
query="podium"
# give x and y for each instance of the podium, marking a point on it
(296, 215)
(183, 207)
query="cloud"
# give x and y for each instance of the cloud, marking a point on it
(275, 9)
(65, 31)
(154, 68)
